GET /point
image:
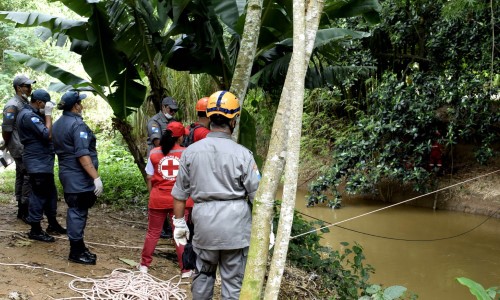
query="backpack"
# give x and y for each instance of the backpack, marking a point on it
(189, 139)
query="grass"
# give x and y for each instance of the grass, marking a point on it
(7, 185)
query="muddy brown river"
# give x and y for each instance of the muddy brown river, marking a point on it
(427, 268)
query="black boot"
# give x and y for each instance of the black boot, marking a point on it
(36, 233)
(54, 227)
(22, 212)
(78, 253)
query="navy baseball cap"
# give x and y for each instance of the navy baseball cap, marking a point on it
(170, 102)
(40, 94)
(69, 99)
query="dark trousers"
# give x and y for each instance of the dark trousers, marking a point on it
(22, 186)
(78, 210)
(43, 197)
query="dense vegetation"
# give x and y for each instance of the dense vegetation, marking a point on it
(437, 80)
(371, 112)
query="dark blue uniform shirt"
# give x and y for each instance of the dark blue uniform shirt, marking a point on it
(38, 155)
(73, 139)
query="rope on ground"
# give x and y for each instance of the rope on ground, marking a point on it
(95, 243)
(127, 284)
(396, 204)
(120, 284)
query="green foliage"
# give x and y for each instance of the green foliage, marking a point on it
(478, 290)
(7, 185)
(376, 292)
(440, 82)
(123, 183)
(342, 271)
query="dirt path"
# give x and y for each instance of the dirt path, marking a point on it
(110, 234)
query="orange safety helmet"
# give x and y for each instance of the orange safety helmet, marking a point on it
(201, 105)
(223, 103)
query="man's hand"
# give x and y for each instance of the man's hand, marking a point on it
(49, 106)
(181, 231)
(98, 186)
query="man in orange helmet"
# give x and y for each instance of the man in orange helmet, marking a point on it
(198, 130)
(223, 197)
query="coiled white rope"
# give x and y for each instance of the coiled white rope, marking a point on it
(121, 284)
(127, 284)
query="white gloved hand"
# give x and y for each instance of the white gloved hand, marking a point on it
(181, 231)
(271, 240)
(49, 106)
(98, 186)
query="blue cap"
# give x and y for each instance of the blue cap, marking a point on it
(40, 94)
(170, 102)
(69, 99)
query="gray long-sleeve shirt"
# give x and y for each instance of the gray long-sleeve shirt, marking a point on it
(222, 177)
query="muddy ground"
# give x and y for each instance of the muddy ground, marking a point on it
(116, 237)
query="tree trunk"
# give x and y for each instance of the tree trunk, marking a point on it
(126, 130)
(263, 204)
(246, 55)
(305, 27)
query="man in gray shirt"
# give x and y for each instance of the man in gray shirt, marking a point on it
(10, 134)
(222, 178)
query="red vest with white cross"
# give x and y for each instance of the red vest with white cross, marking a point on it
(166, 168)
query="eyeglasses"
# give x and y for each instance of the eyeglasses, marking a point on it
(26, 85)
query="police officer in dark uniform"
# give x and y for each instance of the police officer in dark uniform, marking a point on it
(22, 87)
(35, 133)
(157, 125)
(75, 146)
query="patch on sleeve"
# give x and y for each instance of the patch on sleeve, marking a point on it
(155, 129)
(83, 135)
(10, 115)
(35, 120)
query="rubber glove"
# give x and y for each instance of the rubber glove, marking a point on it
(181, 231)
(271, 238)
(98, 186)
(49, 105)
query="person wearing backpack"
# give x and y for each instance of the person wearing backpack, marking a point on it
(198, 130)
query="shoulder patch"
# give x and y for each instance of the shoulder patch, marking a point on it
(155, 129)
(35, 120)
(9, 115)
(83, 135)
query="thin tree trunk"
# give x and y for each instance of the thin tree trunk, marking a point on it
(246, 55)
(263, 203)
(305, 27)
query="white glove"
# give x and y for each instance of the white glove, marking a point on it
(98, 186)
(271, 240)
(49, 105)
(181, 231)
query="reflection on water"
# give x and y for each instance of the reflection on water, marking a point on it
(426, 268)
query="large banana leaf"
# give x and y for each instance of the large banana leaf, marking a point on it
(42, 66)
(101, 60)
(129, 93)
